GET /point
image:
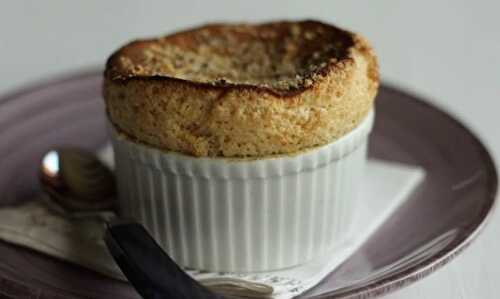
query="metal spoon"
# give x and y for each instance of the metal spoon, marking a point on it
(78, 184)
(81, 186)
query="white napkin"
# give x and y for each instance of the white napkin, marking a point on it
(386, 185)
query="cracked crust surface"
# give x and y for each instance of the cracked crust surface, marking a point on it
(242, 90)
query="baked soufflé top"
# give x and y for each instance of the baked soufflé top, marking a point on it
(242, 90)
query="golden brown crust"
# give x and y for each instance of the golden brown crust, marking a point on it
(242, 90)
(281, 57)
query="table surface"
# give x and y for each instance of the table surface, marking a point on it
(444, 50)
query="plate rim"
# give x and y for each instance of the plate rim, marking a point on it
(445, 255)
(372, 289)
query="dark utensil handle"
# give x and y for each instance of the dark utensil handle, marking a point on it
(148, 268)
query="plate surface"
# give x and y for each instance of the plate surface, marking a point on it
(439, 220)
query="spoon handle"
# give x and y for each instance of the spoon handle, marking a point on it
(148, 268)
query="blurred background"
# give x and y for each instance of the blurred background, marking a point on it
(447, 51)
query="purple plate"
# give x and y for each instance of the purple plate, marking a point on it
(439, 220)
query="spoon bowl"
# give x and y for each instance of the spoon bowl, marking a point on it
(77, 182)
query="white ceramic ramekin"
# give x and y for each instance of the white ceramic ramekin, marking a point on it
(220, 214)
